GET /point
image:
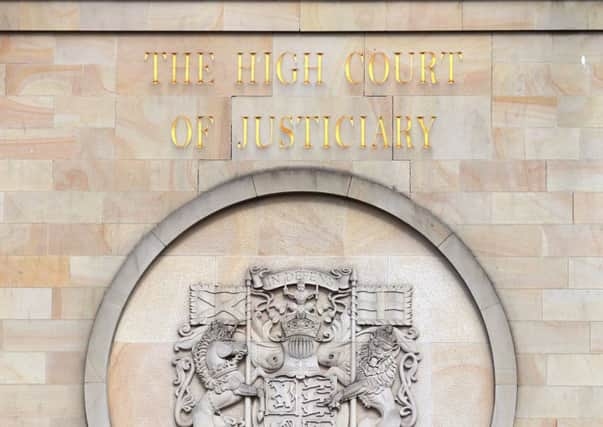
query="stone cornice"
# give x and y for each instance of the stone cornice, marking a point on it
(302, 16)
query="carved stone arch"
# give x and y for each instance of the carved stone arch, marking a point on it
(301, 180)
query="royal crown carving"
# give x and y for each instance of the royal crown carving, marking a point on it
(297, 348)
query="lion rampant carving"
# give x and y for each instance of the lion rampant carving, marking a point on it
(215, 358)
(377, 369)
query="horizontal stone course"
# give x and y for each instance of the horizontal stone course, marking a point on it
(560, 402)
(575, 369)
(25, 303)
(527, 272)
(573, 305)
(294, 15)
(52, 401)
(551, 337)
(45, 335)
(22, 368)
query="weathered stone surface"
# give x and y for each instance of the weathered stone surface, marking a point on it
(532, 208)
(53, 207)
(76, 303)
(142, 206)
(206, 204)
(457, 207)
(27, 112)
(527, 272)
(580, 111)
(34, 271)
(65, 367)
(587, 206)
(449, 361)
(522, 304)
(549, 143)
(93, 270)
(559, 402)
(551, 337)
(23, 239)
(502, 175)
(462, 121)
(573, 305)
(574, 369)
(54, 401)
(22, 367)
(25, 175)
(45, 335)
(586, 272)
(503, 240)
(434, 176)
(531, 369)
(25, 303)
(524, 111)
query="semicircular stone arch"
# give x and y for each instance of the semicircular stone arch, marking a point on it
(289, 181)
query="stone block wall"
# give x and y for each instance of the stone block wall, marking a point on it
(85, 172)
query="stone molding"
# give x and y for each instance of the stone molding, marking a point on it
(302, 16)
(290, 181)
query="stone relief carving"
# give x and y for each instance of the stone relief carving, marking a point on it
(297, 348)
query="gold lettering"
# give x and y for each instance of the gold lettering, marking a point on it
(381, 132)
(411, 55)
(155, 56)
(426, 131)
(267, 64)
(406, 132)
(250, 67)
(174, 67)
(338, 130)
(258, 138)
(240, 145)
(279, 68)
(431, 67)
(371, 67)
(287, 131)
(203, 124)
(307, 68)
(189, 131)
(451, 80)
(204, 67)
(307, 142)
(325, 122)
(187, 68)
(362, 132)
(348, 67)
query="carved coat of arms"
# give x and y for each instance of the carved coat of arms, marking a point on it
(296, 348)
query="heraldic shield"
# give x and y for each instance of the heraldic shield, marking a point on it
(297, 348)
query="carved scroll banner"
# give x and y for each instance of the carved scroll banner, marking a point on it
(296, 348)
